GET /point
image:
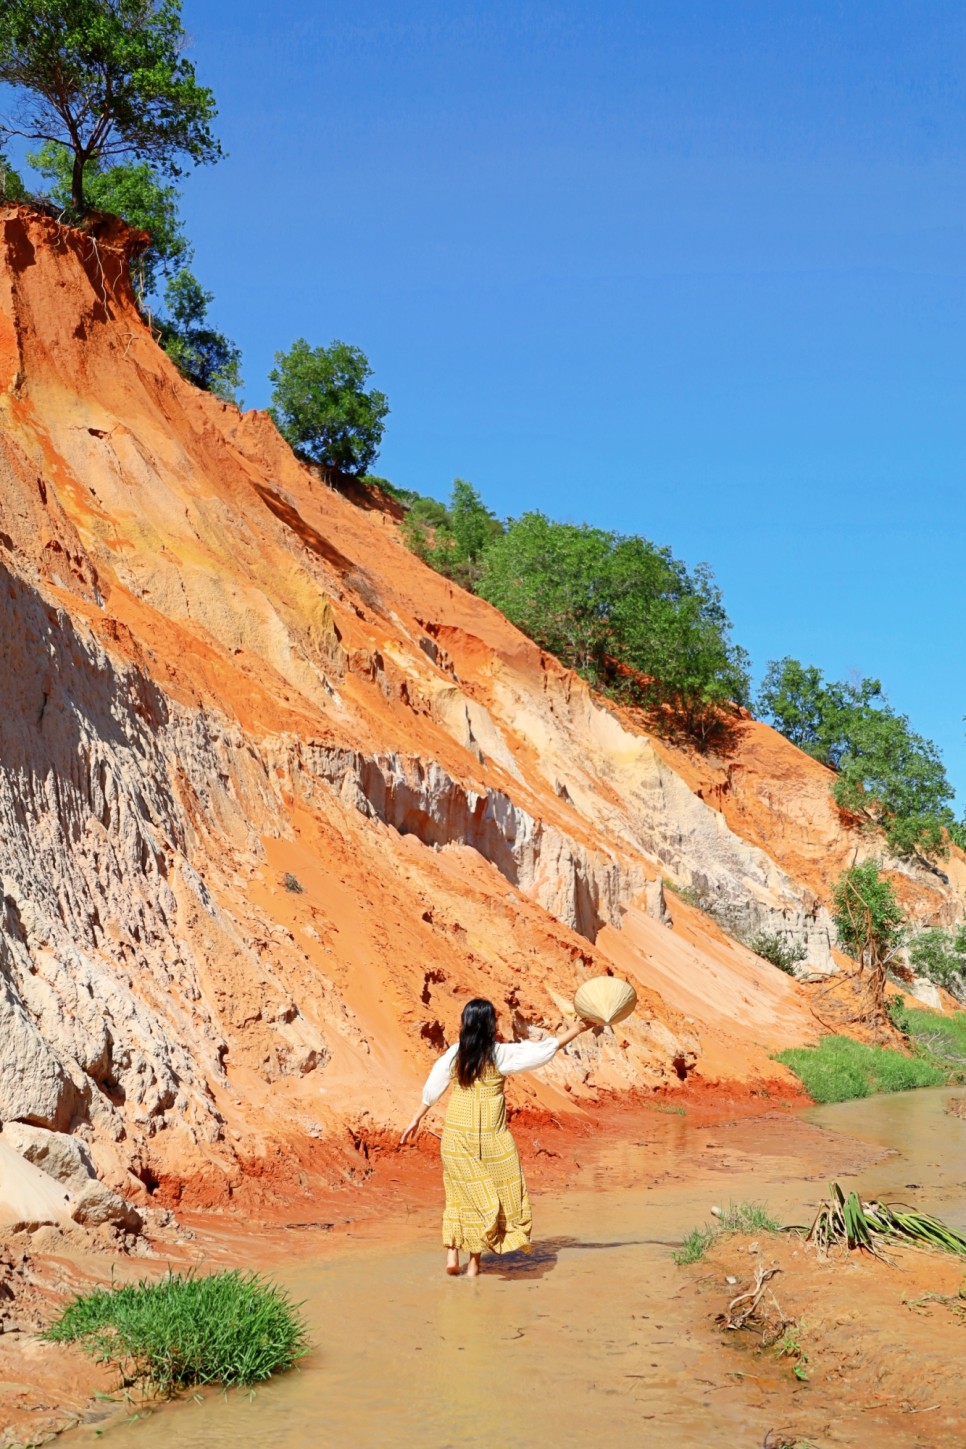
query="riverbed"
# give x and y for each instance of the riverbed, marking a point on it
(598, 1336)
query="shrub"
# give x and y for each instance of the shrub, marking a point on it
(692, 897)
(897, 1014)
(867, 914)
(205, 357)
(229, 1328)
(727, 914)
(939, 955)
(624, 613)
(779, 950)
(840, 1069)
(451, 538)
(870, 924)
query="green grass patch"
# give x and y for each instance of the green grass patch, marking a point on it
(940, 1039)
(839, 1069)
(737, 1217)
(180, 1331)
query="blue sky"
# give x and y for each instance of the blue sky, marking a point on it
(686, 268)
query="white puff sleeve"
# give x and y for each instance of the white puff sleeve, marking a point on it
(440, 1076)
(524, 1056)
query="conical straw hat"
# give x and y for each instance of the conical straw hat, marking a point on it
(605, 999)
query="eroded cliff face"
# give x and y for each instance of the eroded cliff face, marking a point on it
(275, 798)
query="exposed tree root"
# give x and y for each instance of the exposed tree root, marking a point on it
(757, 1308)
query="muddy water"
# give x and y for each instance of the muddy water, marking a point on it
(594, 1338)
(924, 1148)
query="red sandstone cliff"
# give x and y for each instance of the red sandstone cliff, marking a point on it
(275, 797)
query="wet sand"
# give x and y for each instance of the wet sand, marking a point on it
(598, 1336)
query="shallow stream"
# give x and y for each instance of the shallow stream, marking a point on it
(593, 1339)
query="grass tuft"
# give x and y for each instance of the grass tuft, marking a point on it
(747, 1217)
(228, 1328)
(737, 1217)
(839, 1069)
(694, 1247)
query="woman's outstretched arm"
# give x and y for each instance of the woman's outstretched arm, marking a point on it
(529, 1056)
(436, 1084)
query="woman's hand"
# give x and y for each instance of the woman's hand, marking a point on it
(413, 1127)
(574, 1031)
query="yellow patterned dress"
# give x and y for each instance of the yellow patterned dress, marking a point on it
(487, 1206)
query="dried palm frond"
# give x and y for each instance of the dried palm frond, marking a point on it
(867, 1225)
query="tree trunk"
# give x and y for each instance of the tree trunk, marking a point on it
(77, 183)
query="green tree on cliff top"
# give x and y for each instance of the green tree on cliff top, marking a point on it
(105, 78)
(134, 191)
(623, 612)
(131, 190)
(886, 773)
(321, 406)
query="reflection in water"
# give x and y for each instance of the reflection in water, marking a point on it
(583, 1342)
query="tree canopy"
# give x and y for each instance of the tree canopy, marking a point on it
(134, 191)
(11, 182)
(886, 772)
(816, 714)
(179, 312)
(868, 918)
(321, 406)
(105, 78)
(940, 955)
(452, 539)
(202, 355)
(622, 611)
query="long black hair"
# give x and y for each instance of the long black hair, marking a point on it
(477, 1040)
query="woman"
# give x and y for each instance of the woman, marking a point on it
(486, 1197)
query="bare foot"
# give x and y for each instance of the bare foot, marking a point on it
(452, 1261)
(473, 1270)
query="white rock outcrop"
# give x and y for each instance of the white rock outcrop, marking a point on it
(68, 1161)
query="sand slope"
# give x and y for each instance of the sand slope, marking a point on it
(275, 798)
